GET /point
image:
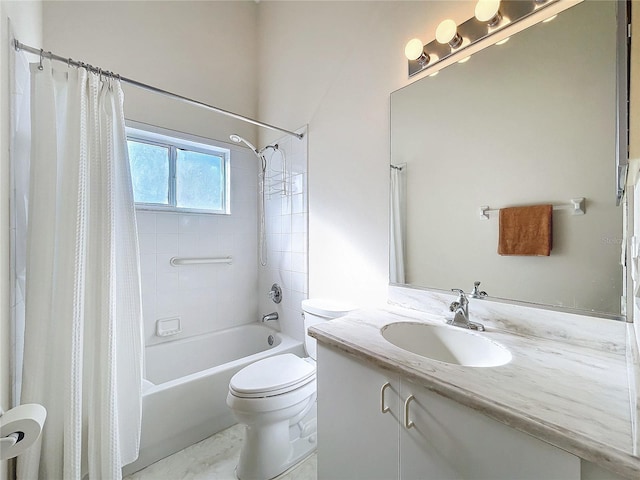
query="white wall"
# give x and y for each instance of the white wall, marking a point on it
(333, 65)
(26, 19)
(202, 50)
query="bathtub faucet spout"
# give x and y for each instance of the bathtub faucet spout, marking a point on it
(270, 316)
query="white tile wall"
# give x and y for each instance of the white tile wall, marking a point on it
(287, 233)
(205, 297)
(214, 297)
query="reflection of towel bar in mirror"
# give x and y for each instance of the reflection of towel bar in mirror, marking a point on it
(576, 207)
(177, 261)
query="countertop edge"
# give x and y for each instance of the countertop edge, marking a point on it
(604, 455)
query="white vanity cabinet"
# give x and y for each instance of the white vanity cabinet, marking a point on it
(356, 441)
(450, 441)
(446, 440)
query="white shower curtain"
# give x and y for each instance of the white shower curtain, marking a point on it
(83, 327)
(398, 224)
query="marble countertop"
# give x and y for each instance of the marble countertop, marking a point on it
(573, 396)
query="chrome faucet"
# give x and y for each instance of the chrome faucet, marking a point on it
(270, 316)
(461, 312)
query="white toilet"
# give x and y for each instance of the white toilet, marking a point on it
(276, 399)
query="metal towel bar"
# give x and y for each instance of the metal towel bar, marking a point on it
(576, 207)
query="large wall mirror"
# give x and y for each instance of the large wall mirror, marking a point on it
(532, 121)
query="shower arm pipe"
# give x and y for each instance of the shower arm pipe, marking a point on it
(52, 56)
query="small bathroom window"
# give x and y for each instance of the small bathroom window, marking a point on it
(172, 171)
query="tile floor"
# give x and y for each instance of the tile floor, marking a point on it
(214, 458)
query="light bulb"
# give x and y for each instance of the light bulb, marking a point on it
(465, 60)
(549, 19)
(447, 32)
(503, 41)
(415, 51)
(488, 11)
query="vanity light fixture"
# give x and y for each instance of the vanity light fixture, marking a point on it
(447, 33)
(414, 50)
(494, 22)
(488, 11)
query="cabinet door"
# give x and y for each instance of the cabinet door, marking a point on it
(450, 441)
(355, 439)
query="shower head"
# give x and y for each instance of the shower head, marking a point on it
(238, 139)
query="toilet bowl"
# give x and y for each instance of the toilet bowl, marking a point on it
(275, 398)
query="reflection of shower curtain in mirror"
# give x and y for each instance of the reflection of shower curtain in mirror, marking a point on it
(398, 223)
(20, 149)
(83, 322)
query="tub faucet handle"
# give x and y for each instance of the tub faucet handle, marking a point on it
(275, 293)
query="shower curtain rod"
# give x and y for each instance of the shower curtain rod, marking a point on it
(21, 46)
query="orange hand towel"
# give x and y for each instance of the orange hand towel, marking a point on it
(525, 230)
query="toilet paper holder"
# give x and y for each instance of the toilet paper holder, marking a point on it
(11, 439)
(20, 428)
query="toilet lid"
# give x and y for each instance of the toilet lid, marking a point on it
(272, 374)
(327, 308)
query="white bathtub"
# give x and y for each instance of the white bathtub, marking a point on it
(185, 401)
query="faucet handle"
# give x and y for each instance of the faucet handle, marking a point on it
(462, 298)
(476, 293)
(461, 295)
(275, 294)
(454, 306)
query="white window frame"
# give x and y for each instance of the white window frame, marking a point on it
(175, 141)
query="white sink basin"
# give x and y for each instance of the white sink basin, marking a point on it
(446, 344)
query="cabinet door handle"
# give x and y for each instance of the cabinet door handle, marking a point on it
(407, 423)
(383, 408)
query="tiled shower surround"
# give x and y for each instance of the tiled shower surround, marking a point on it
(286, 227)
(212, 297)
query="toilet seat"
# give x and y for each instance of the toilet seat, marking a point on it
(272, 376)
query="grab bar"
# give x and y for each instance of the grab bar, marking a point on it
(177, 261)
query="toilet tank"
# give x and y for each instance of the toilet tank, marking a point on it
(316, 310)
